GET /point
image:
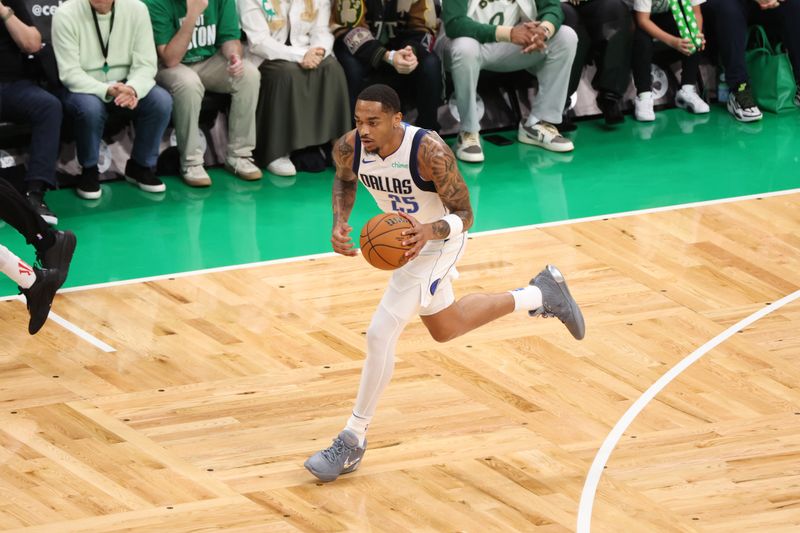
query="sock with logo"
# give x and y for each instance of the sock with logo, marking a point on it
(527, 298)
(16, 269)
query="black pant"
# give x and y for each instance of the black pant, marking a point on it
(605, 30)
(424, 84)
(15, 210)
(643, 55)
(25, 102)
(726, 22)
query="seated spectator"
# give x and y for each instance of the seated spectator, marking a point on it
(605, 32)
(727, 22)
(23, 101)
(198, 42)
(303, 99)
(390, 43)
(106, 61)
(654, 20)
(506, 37)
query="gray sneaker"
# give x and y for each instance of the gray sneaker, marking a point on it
(545, 135)
(342, 457)
(557, 301)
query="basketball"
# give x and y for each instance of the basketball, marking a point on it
(382, 241)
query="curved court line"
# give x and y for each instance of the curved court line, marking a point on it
(565, 222)
(600, 460)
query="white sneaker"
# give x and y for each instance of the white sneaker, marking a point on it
(282, 166)
(468, 147)
(643, 107)
(742, 104)
(687, 98)
(196, 176)
(243, 167)
(544, 135)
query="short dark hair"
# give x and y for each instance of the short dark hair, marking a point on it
(384, 94)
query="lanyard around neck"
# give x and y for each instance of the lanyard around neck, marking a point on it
(104, 45)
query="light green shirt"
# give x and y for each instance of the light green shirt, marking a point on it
(131, 49)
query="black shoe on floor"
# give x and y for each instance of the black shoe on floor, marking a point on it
(609, 104)
(59, 256)
(143, 177)
(567, 124)
(89, 184)
(39, 297)
(36, 200)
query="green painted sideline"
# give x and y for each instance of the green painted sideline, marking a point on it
(679, 158)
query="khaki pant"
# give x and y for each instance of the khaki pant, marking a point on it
(188, 84)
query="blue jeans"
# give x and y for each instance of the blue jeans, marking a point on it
(25, 102)
(150, 119)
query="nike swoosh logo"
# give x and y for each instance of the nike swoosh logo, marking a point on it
(365, 161)
(348, 464)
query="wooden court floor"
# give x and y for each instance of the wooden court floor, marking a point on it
(222, 384)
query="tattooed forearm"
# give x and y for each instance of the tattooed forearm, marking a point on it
(438, 164)
(344, 184)
(344, 196)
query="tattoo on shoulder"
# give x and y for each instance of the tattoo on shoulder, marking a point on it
(343, 152)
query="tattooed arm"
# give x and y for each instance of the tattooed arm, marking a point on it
(438, 164)
(344, 194)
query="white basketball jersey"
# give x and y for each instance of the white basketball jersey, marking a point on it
(395, 182)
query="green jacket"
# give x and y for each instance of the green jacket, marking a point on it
(458, 22)
(218, 24)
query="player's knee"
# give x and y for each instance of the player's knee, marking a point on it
(443, 334)
(465, 50)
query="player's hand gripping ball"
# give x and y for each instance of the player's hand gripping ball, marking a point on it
(382, 241)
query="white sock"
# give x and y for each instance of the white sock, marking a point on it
(358, 425)
(527, 298)
(16, 269)
(688, 88)
(532, 121)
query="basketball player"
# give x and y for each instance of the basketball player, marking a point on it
(54, 250)
(413, 172)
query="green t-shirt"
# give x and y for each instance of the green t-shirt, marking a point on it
(218, 23)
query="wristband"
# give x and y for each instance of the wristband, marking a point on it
(456, 225)
(390, 59)
(8, 15)
(684, 17)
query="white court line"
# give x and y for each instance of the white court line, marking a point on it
(476, 234)
(66, 324)
(600, 460)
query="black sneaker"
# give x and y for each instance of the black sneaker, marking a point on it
(567, 124)
(742, 104)
(609, 104)
(89, 184)
(558, 302)
(39, 297)
(36, 200)
(59, 256)
(143, 177)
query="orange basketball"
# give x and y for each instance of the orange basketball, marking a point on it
(382, 241)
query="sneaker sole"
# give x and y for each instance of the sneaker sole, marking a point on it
(688, 107)
(245, 177)
(471, 158)
(89, 195)
(577, 315)
(743, 118)
(146, 188)
(285, 174)
(197, 183)
(550, 147)
(34, 327)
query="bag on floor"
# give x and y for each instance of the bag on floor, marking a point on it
(770, 70)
